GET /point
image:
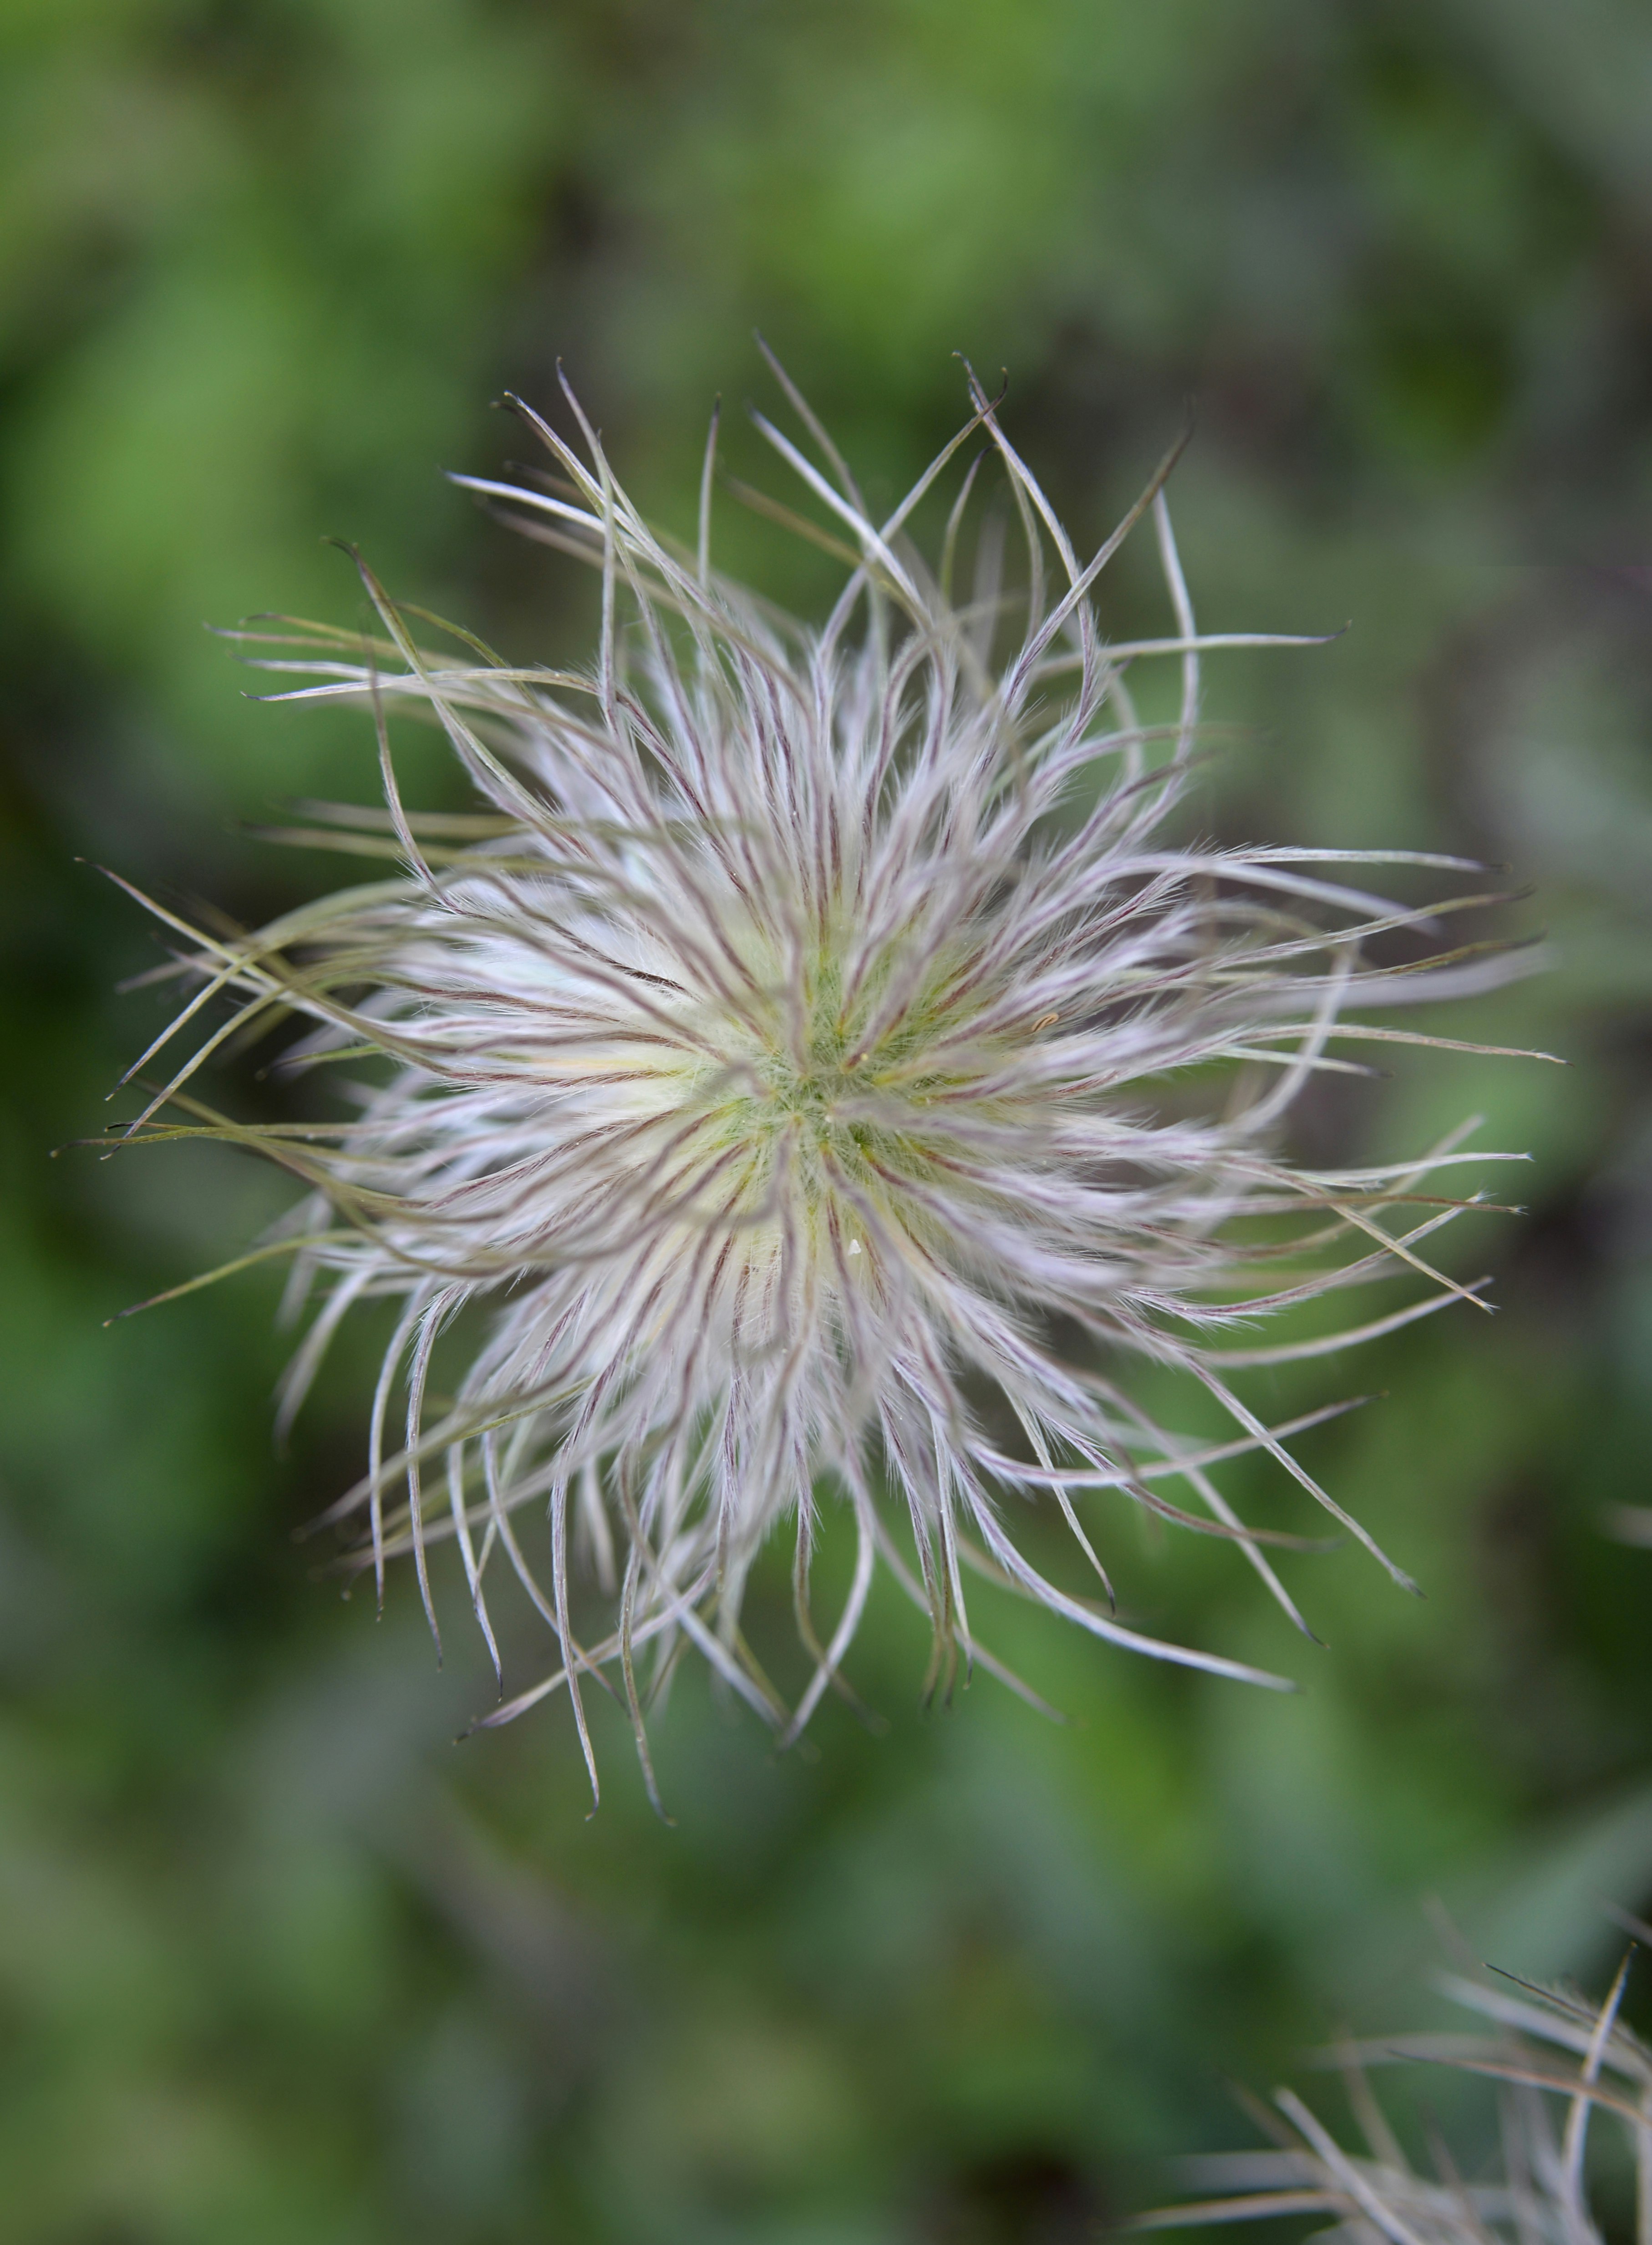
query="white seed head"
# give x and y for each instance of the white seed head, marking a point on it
(1557, 2060)
(779, 1059)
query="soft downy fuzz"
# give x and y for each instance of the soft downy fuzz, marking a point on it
(778, 1060)
(1557, 2060)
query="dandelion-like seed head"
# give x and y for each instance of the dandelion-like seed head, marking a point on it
(777, 1059)
(1557, 2060)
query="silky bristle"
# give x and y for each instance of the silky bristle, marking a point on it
(780, 1057)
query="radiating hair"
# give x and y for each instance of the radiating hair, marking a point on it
(824, 1075)
(1557, 2060)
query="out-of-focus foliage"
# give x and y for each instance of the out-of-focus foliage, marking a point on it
(277, 1961)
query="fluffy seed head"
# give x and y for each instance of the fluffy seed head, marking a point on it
(823, 1080)
(1557, 2060)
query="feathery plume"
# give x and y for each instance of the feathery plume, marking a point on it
(1550, 2048)
(777, 1058)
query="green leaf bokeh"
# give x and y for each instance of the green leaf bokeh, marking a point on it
(277, 1962)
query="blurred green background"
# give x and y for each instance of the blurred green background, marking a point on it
(278, 1961)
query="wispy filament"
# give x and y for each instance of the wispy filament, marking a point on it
(779, 1058)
